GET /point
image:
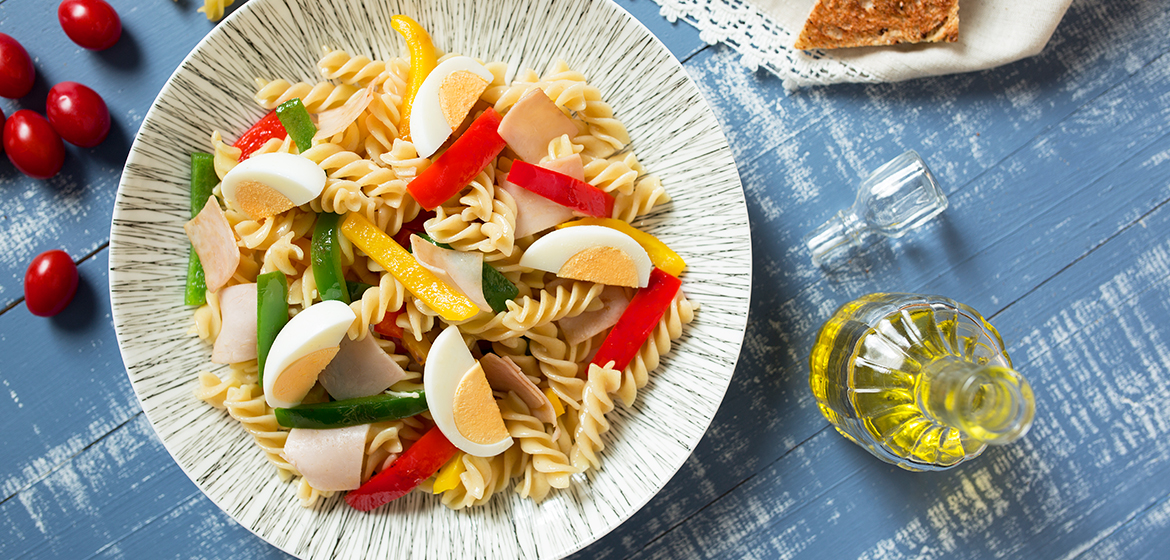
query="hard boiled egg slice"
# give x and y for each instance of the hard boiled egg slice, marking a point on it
(443, 101)
(596, 254)
(267, 184)
(303, 348)
(460, 399)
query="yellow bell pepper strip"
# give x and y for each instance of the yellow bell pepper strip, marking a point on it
(422, 61)
(638, 321)
(422, 283)
(555, 400)
(448, 477)
(660, 254)
(415, 465)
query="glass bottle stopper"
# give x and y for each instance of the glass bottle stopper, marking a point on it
(897, 197)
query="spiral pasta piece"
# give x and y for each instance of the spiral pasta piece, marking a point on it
(309, 496)
(224, 155)
(214, 9)
(286, 255)
(316, 98)
(246, 404)
(550, 351)
(547, 460)
(208, 319)
(388, 295)
(615, 174)
(354, 70)
(403, 158)
(548, 307)
(669, 328)
(591, 423)
(213, 390)
(647, 194)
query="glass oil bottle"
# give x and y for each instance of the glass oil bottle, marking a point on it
(922, 382)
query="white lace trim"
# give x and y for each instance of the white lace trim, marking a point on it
(760, 42)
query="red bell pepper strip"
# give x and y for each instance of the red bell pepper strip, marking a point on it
(562, 189)
(388, 327)
(264, 130)
(416, 464)
(466, 157)
(638, 321)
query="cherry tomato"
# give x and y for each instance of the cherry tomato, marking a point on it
(49, 283)
(93, 24)
(78, 114)
(32, 146)
(16, 69)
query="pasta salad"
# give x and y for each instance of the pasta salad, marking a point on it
(424, 277)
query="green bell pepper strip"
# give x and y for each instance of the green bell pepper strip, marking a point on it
(357, 289)
(326, 256)
(497, 289)
(297, 122)
(271, 312)
(353, 412)
(203, 180)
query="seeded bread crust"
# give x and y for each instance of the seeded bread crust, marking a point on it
(835, 24)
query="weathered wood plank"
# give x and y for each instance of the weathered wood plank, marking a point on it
(1095, 459)
(63, 380)
(122, 497)
(72, 210)
(1063, 213)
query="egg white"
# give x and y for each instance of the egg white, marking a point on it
(448, 361)
(428, 127)
(551, 252)
(320, 326)
(295, 177)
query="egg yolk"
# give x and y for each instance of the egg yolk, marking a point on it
(604, 265)
(477, 416)
(260, 201)
(458, 93)
(298, 378)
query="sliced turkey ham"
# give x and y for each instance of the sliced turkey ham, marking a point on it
(330, 460)
(336, 120)
(532, 123)
(360, 369)
(591, 323)
(461, 270)
(237, 337)
(504, 375)
(535, 213)
(215, 243)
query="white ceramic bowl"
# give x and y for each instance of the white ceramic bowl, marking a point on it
(674, 135)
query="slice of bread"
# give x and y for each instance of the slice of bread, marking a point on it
(835, 24)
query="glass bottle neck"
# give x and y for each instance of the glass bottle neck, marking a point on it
(842, 231)
(988, 403)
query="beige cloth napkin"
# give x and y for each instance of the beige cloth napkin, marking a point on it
(991, 33)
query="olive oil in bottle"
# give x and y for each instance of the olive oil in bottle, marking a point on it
(922, 382)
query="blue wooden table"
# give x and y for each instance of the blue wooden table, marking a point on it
(1058, 173)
